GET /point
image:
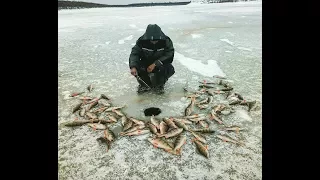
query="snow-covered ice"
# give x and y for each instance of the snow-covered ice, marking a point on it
(219, 51)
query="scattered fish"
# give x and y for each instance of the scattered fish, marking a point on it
(198, 119)
(203, 106)
(155, 121)
(136, 121)
(235, 102)
(104, 97)
(112, 118)
(201, 91)
(205, 130)
(98, 112)
(180, 124)
(171, 144)
(104, 140)
(229, 139)
(239, 96)
(82, 112)
(189, 108)
(128, 124)
(163, 127)
(193, 95)
(209, 100)
(76, 108)
(185, 121)
(77, 123)
(119, 113)
(220, 77)
(224, 83)
(234, 94)
(137, 132)
(204, 101)
(104, 103)
(91, 115)
(206, 86)
(233, 128)
(251, 104)
(203, 123)
(102, 117)
(134, 128)
(228, 88)
(218, 108)
(76, 94)
(226, 112)
(174, 152)
(97, 126)
(219, 92)
(85, 98)
(202, 149)
(153, 129)
(171, 133)
(206, 82)
(194, 116)
(199, 137)
(82, 122)
(108, 134)
(179, 142)
(114, 108)
(93, 104)
(159, 143)
(215, 117)
(90, 88)
(185, 88)
(170, 123)
(93, 100)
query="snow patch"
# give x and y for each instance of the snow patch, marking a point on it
(227, 41)
(209, 69)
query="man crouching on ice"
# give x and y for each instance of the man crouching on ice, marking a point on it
(152, 56)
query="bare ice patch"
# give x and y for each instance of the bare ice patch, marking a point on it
(122, 41)
(245, 49)
(228, 51)
(227, 41)
(175, 104)
(196, 35)
(230, 22)
(141, 30)
(108, 42)
(127, 63)
(209, 69)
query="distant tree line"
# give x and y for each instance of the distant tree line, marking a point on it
(79, 4)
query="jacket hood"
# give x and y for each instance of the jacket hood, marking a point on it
(153, 32)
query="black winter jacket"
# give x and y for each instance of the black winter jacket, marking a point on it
(144, 53)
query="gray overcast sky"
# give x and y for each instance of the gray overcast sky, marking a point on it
(118, 2)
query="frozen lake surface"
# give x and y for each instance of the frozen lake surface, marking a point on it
(209, 39)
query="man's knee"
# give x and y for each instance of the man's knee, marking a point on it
(169, 71)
